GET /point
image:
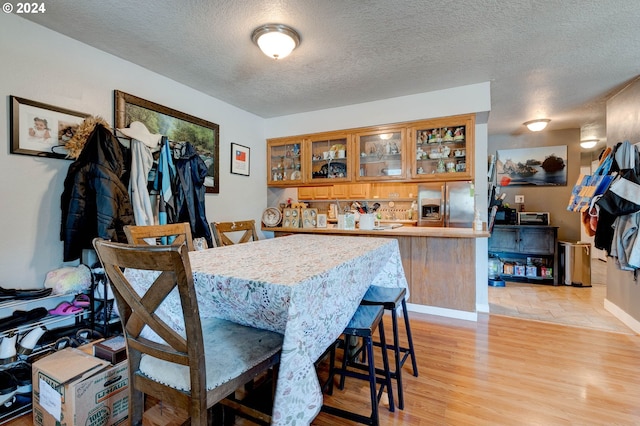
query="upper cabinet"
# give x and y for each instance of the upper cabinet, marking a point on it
(329, 158)
(285, 165)
(442, 149)
(439, 149)
(381, 154)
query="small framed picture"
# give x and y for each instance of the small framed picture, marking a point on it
(41, 130)
(240, 159)
(322, 220)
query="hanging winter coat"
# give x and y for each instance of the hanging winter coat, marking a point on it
(164, 184)
(95, 201)
(190, 191)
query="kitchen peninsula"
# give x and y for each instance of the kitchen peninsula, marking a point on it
(439, 263)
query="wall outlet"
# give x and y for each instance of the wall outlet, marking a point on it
(519, 199)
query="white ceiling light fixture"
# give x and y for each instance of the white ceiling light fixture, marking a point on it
(589, 143)
(537, 125)
(276, 41)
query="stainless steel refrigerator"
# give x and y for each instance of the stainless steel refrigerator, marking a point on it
(446, 204)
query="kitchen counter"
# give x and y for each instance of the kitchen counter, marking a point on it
(439, 263)
(403, 231)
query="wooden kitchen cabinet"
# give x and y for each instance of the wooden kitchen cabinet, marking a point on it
(391, 191)
(330, 158)
(352, 191)
(285, 162)
(381, 154)
(442, 149)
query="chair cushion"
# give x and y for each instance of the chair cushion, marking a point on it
(389, 297)
(230, 349)
(364, 321)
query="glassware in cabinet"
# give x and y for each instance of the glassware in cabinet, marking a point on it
(330, 157)
(381, 154)
(442, 149)
(285, 162)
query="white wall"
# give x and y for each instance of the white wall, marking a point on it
(44, 66)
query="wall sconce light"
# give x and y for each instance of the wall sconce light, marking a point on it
(537, 125)
(589, 143)
(276, 40)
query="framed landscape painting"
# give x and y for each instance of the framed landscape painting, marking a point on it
(177, 127)
(545, 165)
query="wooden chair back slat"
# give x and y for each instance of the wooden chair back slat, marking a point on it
(155, 233)
(221, 229)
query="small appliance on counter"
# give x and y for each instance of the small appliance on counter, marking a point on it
(446, 204)
(534, 218)
(506, 216)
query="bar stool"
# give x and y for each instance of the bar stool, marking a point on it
(390, 299)
(363, 324)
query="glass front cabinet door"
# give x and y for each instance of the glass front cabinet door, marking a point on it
(381, 154)
(329, 158)
(285, 165)
(442, 149)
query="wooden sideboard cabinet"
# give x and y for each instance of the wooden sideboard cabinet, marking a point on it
(527, 252)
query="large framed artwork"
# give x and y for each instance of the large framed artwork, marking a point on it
(176, 126)
(41, 130)
(545, 165)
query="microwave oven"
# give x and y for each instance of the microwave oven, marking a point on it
(506, 216)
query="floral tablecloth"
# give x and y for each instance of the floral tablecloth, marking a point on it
(304, 286)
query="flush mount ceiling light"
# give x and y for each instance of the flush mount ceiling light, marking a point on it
(276, 40)
(537, 125)
(589, 143)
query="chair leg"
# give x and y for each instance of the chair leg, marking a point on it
(368, 341)
(410, 338)
(397, 374)
(385, 364)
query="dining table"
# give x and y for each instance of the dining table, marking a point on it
(306, 287)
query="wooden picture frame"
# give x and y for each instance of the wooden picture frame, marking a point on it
(41, 130)
(175, 125)
(240, 159)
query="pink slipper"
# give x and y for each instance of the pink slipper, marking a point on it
(81, 300)
(65, 308)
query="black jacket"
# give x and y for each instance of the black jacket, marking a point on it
(190, 192)
(95, 201)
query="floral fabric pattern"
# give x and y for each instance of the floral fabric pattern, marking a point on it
(306, 287)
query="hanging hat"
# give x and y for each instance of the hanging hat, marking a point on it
(139, 132)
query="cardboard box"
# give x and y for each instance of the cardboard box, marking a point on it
(113, 350)
(72, 388)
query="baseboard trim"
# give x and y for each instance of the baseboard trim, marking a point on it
(443, 312)
(624, 317)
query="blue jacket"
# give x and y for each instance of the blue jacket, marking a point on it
(190, 192)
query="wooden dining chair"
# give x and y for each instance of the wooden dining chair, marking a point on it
(194, 365)
(222, 230)
(177, 233)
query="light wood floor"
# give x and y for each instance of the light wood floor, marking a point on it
(578, 306)
(507, 371)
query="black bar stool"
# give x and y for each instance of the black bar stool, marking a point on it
(390, 299)
(363, 324)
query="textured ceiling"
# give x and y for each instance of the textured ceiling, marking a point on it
(558, 59)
